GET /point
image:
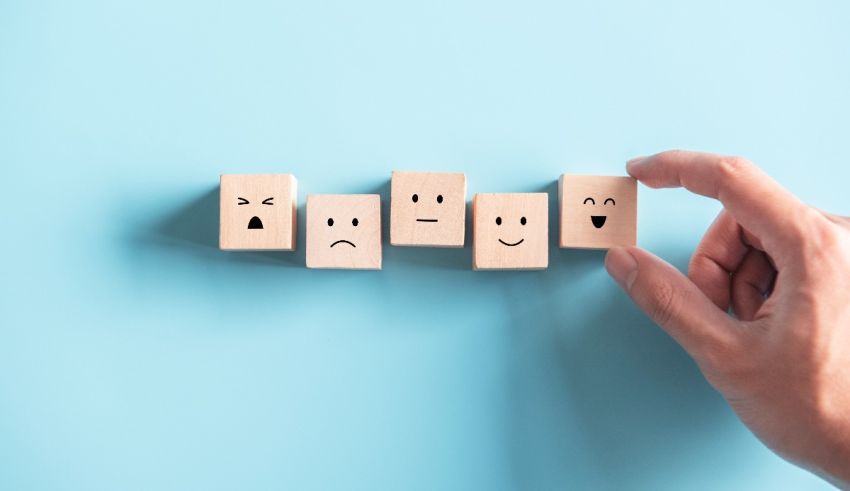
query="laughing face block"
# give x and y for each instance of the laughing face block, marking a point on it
(597, 212)
(427, 209)
(257, 212)
(344, 231)
(510, 231)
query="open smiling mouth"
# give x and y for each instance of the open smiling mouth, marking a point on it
(343, 241)
(598, 221)
(512, 245)
(429, 220)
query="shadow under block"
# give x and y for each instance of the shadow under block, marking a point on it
(427, 209)
(510, 231)
(257, 212)
(597, 212)
(344, 231)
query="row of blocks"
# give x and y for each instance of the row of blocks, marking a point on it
(510, 230)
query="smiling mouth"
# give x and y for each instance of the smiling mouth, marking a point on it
(429, 220)
(512, 245)
(343, 241)
(598, 221)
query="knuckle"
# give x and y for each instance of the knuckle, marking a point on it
(664, 305)
(730, 168)
(819, 237)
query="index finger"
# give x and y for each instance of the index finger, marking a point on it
(756, 201)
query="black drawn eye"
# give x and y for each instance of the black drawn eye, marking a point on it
(355, 222)
(330, 222)
(498, 220)
(522, 221)
(439, 198)
(611, 200)
(592, 201)
(243, 201)
(415, 198)
(268, 201)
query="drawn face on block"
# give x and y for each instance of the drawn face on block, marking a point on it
(597, 212)
(257, 212)
(428, 209)
(344, 231)
(510, 231)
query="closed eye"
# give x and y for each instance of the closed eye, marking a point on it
(267, 201)
(589, 199)
(611, 200)
(243, 201)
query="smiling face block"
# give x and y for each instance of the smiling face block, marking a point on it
(597, 212)
(257, 212)
(344, 231)
(427, 209)
(510, 231)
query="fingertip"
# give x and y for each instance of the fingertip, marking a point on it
(635, 164)
(622, 266)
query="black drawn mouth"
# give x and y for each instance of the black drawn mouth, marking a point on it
(429, 220)
(343, 241)
(598, 221)
(255, 223)
(512, 245)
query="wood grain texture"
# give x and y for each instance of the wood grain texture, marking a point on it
(597, 212)
(427, 209)
(344, 231)
(510, 231)
(257, 212)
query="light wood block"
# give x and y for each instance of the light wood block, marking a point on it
(344, 231)
(257, 212)
(597, 212)
(427, 209)
(510, 231)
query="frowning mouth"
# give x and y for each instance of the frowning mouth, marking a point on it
(343, 241)
(512, 245)
(429, 220)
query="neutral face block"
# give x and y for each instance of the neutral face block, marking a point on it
(427, 209)
(597, 212)
(344, 231)
(257, 212)
(510, 231)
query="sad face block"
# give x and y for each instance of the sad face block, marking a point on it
(510, 231)
(427, 209)
(257, 212)
(344, 231)
(597, 212)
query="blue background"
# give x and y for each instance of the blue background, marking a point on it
(135, 355)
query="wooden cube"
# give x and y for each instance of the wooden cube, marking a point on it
(344, 231)
(597, 212)
(427, 209)
(510, 231)
(257, 212)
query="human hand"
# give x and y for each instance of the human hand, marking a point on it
(782, 361)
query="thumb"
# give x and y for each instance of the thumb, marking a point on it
(672, 301)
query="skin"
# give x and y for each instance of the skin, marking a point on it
(765, 308)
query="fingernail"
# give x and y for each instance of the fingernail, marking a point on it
(634, 164)
(622, 266)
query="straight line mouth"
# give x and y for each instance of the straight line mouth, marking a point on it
(512, 245)
(429, 220)
(343, 241)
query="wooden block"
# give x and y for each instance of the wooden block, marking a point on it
(427, 209)
(257, 212)
(510, 231)
(344, 231)
(597, 212)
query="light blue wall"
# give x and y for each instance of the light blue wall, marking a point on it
(136, 356)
